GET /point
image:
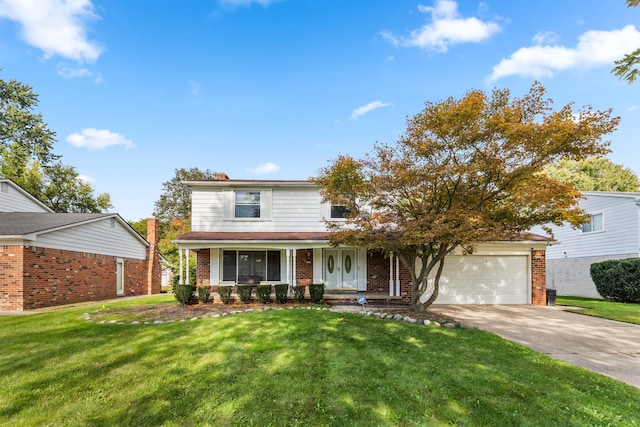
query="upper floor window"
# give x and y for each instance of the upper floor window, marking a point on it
(595, 223)
(247, 204)
(339, 211)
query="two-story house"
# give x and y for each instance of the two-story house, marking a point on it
(49, 258)
(275, 232)
(613, 232)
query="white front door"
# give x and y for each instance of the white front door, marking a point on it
(120, 277)
(340, 269)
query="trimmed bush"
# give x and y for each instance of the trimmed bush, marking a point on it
(316, 292)
(204, 292)
(263, 292)
(281, 292)
(617, 280)
(184, 293)
(298, 292)
(244, 292)
(225, 293)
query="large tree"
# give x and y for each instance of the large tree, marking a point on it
(26, 156)
(466, 170)
(627, 67)
(20, 126)
(594, 174)
(173, 210)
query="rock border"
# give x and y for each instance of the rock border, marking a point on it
(377, 314)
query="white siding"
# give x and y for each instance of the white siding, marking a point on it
(620, 235)
(13, 199)
(292, 209)
(96, 237)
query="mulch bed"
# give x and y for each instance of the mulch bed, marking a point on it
(176, 312)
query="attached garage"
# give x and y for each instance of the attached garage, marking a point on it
(485, 279)
(496, 273)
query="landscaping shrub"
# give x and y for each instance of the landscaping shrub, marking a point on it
(618, 280)
(298, 292)
(281, 292)
(244, 292)
(316, 292)
(263, 292)
(184, 293)
(225, 293)
(204, 292)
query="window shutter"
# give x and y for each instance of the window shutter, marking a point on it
(266, 204)
(228, 204)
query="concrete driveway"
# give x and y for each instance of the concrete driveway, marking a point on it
(604, 346)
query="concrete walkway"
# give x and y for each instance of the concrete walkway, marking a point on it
(603, 346)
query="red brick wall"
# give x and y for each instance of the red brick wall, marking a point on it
(11, 278)
(304, 266)
(538, 277)
(203, 267)
(35, 277)
(377, 272)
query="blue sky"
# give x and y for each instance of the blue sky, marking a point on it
(268, 89)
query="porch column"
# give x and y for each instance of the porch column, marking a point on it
(391, 275)
(398, 293)
(288, 252)
(293, 267)
(181, 281)
(187, 267)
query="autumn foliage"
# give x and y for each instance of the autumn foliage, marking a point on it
(466, 170)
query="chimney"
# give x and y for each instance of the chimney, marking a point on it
(221, 176)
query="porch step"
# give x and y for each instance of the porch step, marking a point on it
(352, 298)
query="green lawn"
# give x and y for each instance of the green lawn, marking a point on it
(622, 312)
(288, 367)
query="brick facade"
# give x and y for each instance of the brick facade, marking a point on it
(33, 277)
(538, 277)
(304, 267)
(203, 265)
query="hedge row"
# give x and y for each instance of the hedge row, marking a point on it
(185, 293)
(617, 280)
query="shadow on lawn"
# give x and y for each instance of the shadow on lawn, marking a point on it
(283, 368)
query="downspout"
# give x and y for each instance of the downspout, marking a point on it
(638, 225)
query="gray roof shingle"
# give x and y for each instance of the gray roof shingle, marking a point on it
(21, 223)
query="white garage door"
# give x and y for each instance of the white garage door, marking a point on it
(479, 279)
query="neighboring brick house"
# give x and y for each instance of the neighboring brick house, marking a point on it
(49, 259)
(275, 232)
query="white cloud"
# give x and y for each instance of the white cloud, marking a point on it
(361, 111)
(547, 37)
(57, 27)
(594, 48)
(266, 169)
(98, 139)
(194, 87)
(86, 179)
(77, 72)
(236, 3)
(447, 27)
(634, 107)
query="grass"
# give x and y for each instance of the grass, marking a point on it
(287, 368)
(622, 312)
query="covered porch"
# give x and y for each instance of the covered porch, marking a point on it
(298, 259)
